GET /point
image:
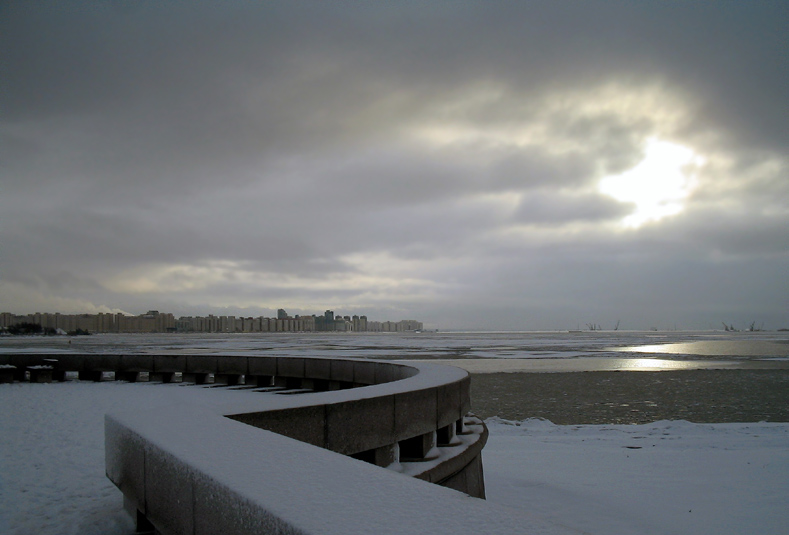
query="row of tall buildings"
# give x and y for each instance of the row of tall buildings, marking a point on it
(160, 322)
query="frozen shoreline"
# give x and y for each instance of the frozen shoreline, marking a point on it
(734, 478)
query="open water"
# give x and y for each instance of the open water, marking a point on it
(565, 377)
(478, 352)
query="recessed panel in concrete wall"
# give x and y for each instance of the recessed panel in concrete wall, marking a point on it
(136, 363)
(415, 412)
(318, 368)
(355, 426)
(306, 424)
(364, 372)
(200, 364)
(169, 363)
(232, 365)
(342, 370)
(465, 395)
(290, 367)
(386, 372)
(104, 363)
(69, 363)
(448, 404)
(262, 366)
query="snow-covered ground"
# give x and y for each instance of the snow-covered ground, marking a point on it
(665, 477)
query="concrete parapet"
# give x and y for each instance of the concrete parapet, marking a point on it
(218, 509)
(205, 473)
(200, 364)
(169, 363)
(305, 424)
(360, 425)
(386, 372)
(342, 371)
(448, 403)
(169, 492)
(411, 415)
(364, 372)
(132, 366)
(136, 363)
(232, 365)
(266, 366)
(415, 412)
(101, 363)
(291, 367)
(165, 367)
(315, 368)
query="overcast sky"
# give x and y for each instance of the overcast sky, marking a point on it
(493, 165)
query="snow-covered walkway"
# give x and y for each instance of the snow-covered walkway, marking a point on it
(661, 478)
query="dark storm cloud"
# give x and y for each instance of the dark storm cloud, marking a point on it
(218, 153)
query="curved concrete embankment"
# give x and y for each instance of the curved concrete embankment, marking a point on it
(221, 469)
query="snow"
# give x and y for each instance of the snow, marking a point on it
(659, 478)
(664, 477)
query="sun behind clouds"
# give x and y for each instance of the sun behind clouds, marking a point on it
(659, 185)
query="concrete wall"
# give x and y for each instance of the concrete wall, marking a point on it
(187, 470)
(410, 417)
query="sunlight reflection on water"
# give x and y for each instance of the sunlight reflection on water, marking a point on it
(588, 364)
(745, 348)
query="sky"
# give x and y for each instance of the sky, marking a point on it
(473, 165)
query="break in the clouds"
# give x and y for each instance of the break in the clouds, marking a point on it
(529, 165)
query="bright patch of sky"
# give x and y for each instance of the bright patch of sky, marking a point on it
(659, 185)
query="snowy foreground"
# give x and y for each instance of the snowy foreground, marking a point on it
(660, 478)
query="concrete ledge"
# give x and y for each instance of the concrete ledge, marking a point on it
(230, 478)
(252, 466)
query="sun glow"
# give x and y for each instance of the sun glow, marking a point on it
(659, 185)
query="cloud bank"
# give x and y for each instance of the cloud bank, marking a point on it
(439, 161)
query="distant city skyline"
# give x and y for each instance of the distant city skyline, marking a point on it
(484, 165)
(154, 321)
